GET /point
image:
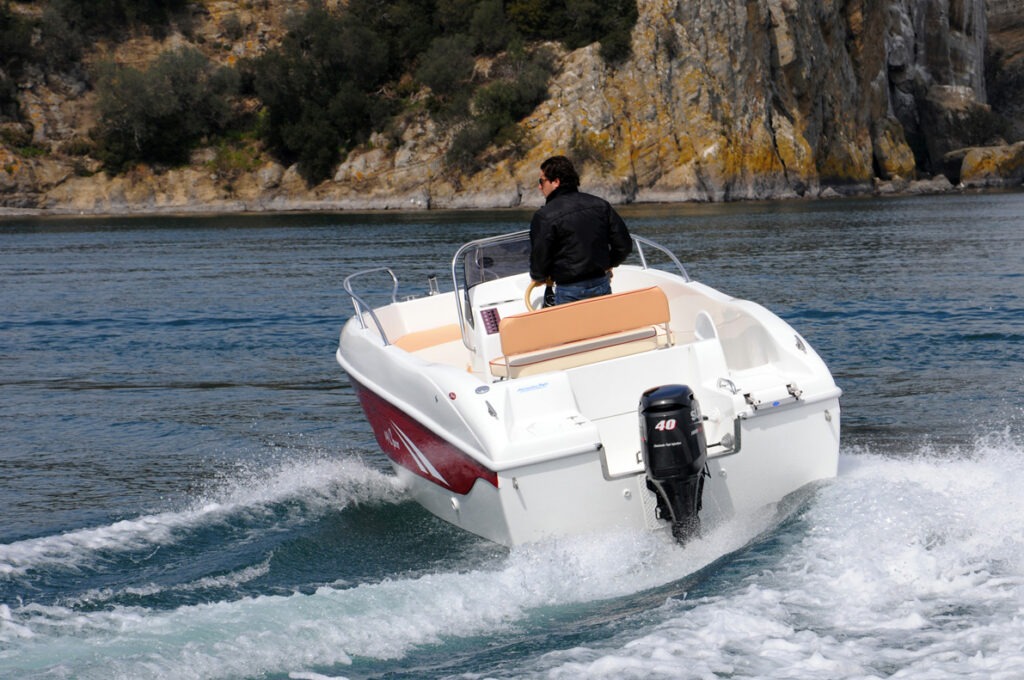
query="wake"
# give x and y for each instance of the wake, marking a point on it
(943, 530)
(289, 494)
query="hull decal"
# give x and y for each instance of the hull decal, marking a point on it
(409, 443)
(410, 446)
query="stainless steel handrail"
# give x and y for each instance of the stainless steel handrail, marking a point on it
(639, 242)
(359, 304)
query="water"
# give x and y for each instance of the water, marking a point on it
(188, 488)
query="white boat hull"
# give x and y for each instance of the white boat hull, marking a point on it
(520, 459)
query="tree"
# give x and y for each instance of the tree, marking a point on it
(490, 28)
(159, 115)
(447, 64)
(15, 53)
(319, 90)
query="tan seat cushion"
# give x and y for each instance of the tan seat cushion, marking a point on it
(581, 352)
(582, 332)
(417, 340)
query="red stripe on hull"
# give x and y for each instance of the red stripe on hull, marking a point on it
(408, 443)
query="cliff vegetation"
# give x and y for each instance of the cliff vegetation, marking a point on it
(119, 106)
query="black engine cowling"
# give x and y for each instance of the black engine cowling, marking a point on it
(675, 454)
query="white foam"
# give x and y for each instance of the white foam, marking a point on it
(383, 620)
(225, 581)
(911, 567)
(320, 485)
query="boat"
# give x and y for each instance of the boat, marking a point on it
(665, 406)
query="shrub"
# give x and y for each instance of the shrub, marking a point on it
(9, 107)
(536, 18)
(522, 84)
(15, 40)
(498, 106)
(78, 146)
(234, 157)
(447, 64)
(489, 28)
(15, 52)
(15, 135)
(232, 27)
(61, 42)
(161, 114)
(587, 148)
(319, 90)
(467, 145)
(452, 17)
(106, 16)
(403, 27)
(577, 23)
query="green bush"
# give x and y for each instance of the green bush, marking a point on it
(161, 114)
(589, 149)
(232, 27)
(15, 135)
(536, 19)
(403, 27)
(15, 53)
(499, 105)
(9, 107)
(105, 17)
(15, 40)
(577, 23)
(452, 17)
(489, 28)
(61, 43)
(467, 145)
(77, 146)
(447, 65)
(320, 90)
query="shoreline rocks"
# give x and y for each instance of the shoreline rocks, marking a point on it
(188, 191)
(710, 107)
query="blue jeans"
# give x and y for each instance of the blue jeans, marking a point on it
(570, 292)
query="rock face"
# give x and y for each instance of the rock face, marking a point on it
(936, 53)
(993, 166)
(721, 100)
(1006, 54)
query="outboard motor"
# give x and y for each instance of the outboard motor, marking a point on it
(675, 453)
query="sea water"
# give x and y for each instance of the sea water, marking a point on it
(188, 488)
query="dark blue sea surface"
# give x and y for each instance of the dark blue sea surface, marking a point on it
(188, 488)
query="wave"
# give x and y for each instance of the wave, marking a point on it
(307, 633)
(229, 581)
(909, 565)
(304, 488)
(903, 567)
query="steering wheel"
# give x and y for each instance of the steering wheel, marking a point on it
(529, 290)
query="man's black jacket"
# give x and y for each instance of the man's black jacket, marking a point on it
(576, 236)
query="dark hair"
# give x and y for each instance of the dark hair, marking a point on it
(561, 168)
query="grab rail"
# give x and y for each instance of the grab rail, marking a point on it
(640, 241)
(459, 283)
(359, 304)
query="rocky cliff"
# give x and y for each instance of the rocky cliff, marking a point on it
(721, 100)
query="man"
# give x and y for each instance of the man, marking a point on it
(575, 238)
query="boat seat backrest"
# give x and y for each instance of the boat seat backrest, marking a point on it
(631, 321)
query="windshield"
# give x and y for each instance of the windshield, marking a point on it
(490, 260)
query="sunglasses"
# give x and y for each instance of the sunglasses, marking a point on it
(540, 182)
